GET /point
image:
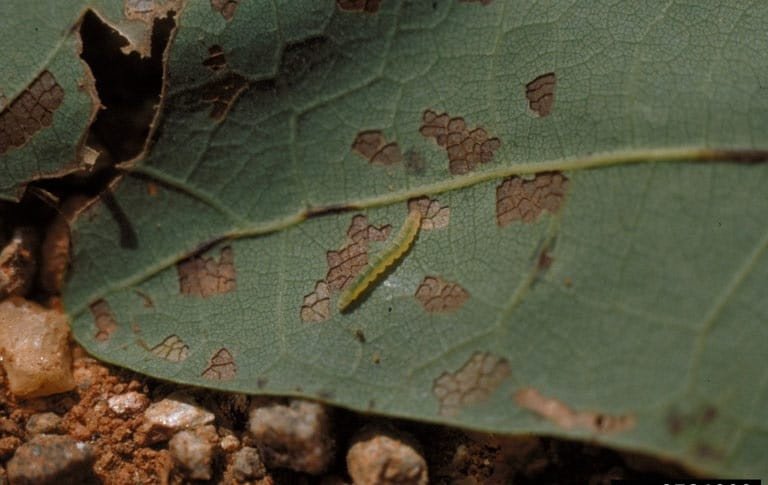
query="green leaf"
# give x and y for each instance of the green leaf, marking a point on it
(48, 98)
(617, 295)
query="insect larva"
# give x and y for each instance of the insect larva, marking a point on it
(383, 260)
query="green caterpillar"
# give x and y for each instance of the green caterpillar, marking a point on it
(384, 260)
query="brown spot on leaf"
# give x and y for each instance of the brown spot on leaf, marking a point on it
(204, 276)
(360, 335)
(440, 296)
(225, 7)
(152, 189)
(103, 319)
(172, 349)
(30, 112)
(216, 59)
(563, 416)
(518, 199)
(467, 148)
(317, 305)
(221, 366)
(433, 215)
(361, 232)
(344, 265)
(472, 384)
(367, 6)
(372, 146)
(223, 93)
(541, 94)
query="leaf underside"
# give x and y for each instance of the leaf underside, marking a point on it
(615, 301)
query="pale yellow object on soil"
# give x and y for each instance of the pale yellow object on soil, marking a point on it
(34, 349)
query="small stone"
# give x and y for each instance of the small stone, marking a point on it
(51, 459)
(229, 443)
(385, 457)
(296, 436)
(176, 412)
(193, 453)
(43, 423)
(127, 404)
(8, 445)
(35, 350)
(247, 465)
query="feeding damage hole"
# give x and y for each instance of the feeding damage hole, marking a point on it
(372, 146)
(221, 366)
(216, 59)
(433, 215)
(204, 276)
(367, 6)
(518, 199)
(541, 94)
(477, 379)
(343, 266)
(225, 7)
(467, 148)
(103, 319)
(128, 85)
(439, 296)
(563, 416)
(30, 112)
(172, 349)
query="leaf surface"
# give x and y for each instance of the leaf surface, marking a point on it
(591, 263)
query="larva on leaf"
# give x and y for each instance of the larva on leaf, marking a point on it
(386, 258)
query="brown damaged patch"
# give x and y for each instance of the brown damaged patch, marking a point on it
(541, 94)
(204, 276)
(30, 112)
(103, 319)
(367, 6)
(226, 8)
(221, 366)
(439, 296)
(561, 415)
(317, 305)
(172, 349)
(467, 148)
(472, 384)
(361, 232)
(372, 146)
(433, 215)
(223, 93)
(216, 59)
(518, 199)
(343, 265)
